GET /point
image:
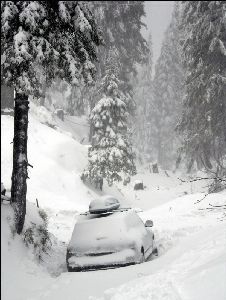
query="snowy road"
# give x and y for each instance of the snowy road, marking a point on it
(191, 245)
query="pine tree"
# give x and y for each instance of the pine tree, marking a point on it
(121, 24)
(167, 95)
(41, 40)
(110, 156)
(203, 123)
(143, 93)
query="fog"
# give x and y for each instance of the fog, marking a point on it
(158, 15)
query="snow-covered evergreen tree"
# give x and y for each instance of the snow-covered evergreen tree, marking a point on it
(167, 95)
(41, 40)
(204, 56)
(121, 24)
(110, 156)
(143, 94)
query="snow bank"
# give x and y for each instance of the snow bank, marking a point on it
(58, 161)
(42, 114)
(21, 275)
(196, 271)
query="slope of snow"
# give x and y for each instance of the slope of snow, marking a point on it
(195, 269)
(191, 239)
(58, 161)
(78, 127)
(20, 274)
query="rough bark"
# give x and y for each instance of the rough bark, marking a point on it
(19, 174)
(91, 129)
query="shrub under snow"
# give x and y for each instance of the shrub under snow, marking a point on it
(35, 233)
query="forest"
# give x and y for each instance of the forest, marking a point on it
(87, 112)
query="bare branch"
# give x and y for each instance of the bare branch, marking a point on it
(203, 178)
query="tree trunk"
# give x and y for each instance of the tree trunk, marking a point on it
(90, 132)
(19, 174)
(160, 154)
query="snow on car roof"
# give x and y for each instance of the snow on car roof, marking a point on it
(104, 204)
(114, 228)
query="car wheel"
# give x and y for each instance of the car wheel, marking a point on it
(142, 255)
(155, 251)
(68, 255)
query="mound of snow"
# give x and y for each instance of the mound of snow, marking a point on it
(20, 269)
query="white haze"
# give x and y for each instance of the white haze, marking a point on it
(158, 16)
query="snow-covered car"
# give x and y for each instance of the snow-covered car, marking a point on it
(108, 240)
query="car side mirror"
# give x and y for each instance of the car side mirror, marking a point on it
(148, 223)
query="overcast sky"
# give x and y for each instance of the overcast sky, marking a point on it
(158, 15)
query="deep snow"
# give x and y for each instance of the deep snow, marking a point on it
(191, 238)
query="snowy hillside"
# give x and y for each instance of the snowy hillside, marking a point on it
(191, 239)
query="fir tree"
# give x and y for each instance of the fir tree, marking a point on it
(121, 27)
(121, 24)
(41, 40)
(110, 156)
(167, 95)
(143, 93)
(203, 123)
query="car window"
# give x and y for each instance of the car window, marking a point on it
(133, 220)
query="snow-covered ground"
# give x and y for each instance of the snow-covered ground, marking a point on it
(191, 239)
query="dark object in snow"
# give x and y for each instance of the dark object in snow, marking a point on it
(155, 168)
(126, 180)
(3, 189)
(50, 125)
(167, 174)
(148, 223)
(155, 251)
(82, 140)
(60, 113)
(37, 202)
(3, 195)
(138, 185)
